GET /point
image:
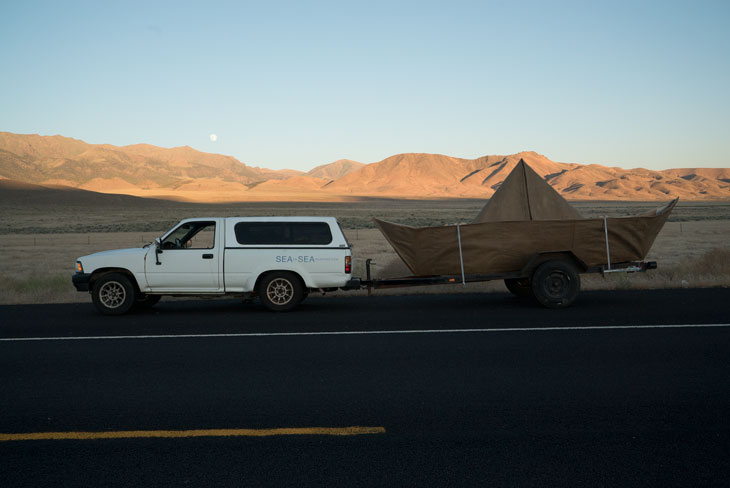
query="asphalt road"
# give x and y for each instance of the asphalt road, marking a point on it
(471, 390)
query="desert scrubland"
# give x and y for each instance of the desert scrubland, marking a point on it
(40, 240)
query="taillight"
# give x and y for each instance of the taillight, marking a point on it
(348, 264)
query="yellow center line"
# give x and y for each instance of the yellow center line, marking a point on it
(133, 434)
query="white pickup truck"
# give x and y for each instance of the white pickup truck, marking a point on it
(280, 259)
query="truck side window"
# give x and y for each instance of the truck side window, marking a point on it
(204, 238)
(191, 235)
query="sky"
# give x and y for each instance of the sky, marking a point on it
(298, 84)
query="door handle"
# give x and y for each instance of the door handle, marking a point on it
(207, 256)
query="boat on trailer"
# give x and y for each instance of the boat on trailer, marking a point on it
(528, 235)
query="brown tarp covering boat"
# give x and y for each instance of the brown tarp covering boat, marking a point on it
(526, 216)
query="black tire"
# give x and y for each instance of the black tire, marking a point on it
(146, 301)
(521, 287)
(113, 294)
(555, 284)
(281, 291)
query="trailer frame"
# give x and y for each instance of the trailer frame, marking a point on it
(559, 290)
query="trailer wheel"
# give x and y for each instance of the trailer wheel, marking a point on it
(113, 294)
(281, 291)
(555, 284)
(520, 287)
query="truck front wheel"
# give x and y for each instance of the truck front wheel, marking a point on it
(281, 291)
(113, 294)
(555, 284)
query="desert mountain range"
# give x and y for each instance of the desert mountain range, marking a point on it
(187, 174)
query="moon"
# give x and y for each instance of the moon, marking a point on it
(213, 137)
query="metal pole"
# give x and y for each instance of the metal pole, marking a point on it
(605, 230)
(461, 256)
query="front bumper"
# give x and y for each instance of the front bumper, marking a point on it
(81, 281)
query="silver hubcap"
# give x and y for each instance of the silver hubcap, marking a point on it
(280, 291)
(112, 294)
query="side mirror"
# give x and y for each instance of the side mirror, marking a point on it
(158, 250)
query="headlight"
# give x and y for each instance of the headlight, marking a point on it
(79, 267)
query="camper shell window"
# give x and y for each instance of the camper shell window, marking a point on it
(283, 233)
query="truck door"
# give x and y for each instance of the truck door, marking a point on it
(189, 261)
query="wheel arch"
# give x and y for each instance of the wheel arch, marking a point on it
(266, 273)
(98, 273)
(539, 258)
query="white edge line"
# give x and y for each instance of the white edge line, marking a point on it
(360, 332)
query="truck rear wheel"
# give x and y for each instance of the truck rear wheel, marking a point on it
(520, 287)
(555, 284)
(281, 291)
(113, 294)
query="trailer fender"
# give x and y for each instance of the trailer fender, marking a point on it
(538, 258)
